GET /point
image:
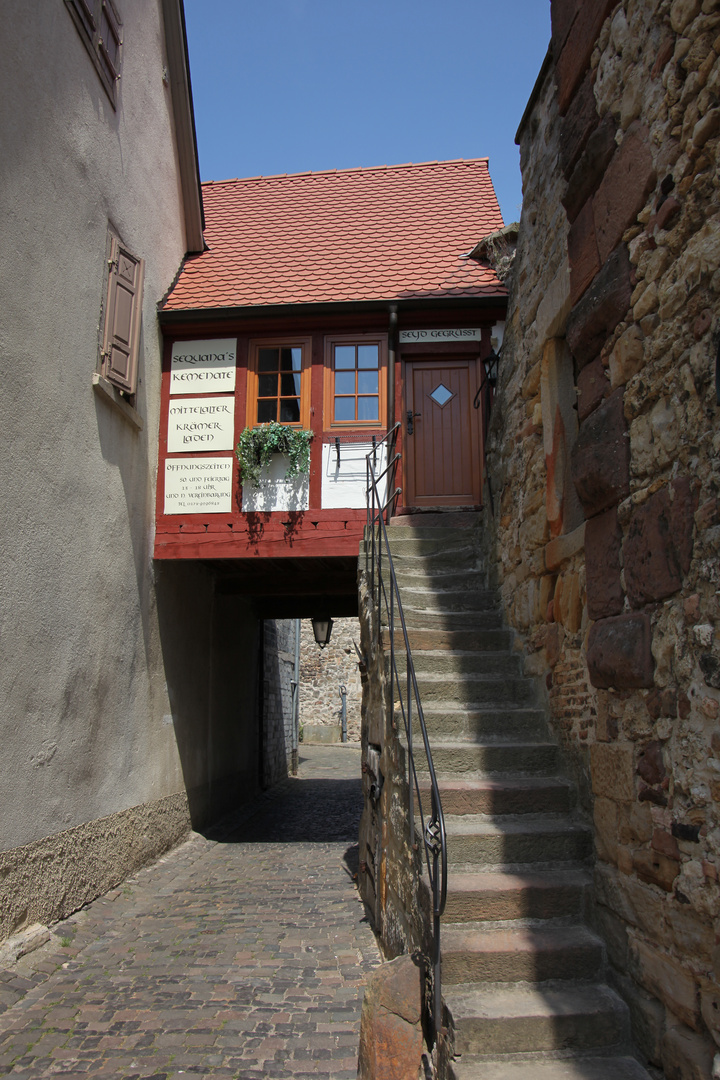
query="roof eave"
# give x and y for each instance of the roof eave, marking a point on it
(184, 117)
(175, 316)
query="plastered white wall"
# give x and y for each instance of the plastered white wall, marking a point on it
(85, 721)
(344, 482)
(275, 492)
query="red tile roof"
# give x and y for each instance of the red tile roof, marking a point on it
(347, 235)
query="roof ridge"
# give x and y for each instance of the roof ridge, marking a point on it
(353, 169)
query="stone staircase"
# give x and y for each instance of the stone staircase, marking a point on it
(523, 975)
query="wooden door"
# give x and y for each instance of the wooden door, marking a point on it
(443, 441)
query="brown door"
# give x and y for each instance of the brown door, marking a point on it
(442, 441)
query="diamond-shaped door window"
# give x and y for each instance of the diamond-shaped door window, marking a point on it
(441, 395)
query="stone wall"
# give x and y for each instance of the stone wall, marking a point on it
(389, 875)
(278, 758)
(604, 460)
(323, 671)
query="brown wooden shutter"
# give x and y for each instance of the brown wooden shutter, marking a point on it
(122, 320)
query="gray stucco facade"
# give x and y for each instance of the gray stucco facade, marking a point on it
(119, 724)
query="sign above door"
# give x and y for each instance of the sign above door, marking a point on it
(465, 333)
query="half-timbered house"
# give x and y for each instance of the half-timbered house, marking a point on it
(342, 303)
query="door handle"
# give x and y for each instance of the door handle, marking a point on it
(410, 416)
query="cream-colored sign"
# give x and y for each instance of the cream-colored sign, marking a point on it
(201, 424)
(463, 334)
(198, 485)
(203, 367)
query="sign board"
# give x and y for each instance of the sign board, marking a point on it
(201, 424)
(203, 367)
(198, 485)
(417, 336)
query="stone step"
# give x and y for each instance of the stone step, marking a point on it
(453, 662)
(517, 1019)
(465, 760)
(472, 689)
(533, 954)
(520, 796)
(444, 525)
(446, 721)
(531, 1067)
(421, 619)
(533, 894)
(410, 577)
(473, 839)
(433, 640)
(429, 548)
(447, 600)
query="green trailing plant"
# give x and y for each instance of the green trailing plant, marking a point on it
(258, 444)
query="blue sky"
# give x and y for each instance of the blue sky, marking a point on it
(283, 86)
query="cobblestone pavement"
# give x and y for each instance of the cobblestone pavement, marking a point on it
(241, 954)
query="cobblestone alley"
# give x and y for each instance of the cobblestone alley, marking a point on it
(241, 954)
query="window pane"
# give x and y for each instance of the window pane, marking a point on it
(266, 411)
(344, 356)
(344, 408)
(289, 410)
(267, 386)
(344, 382)
(367, 356)
(268, 359)
(368, 408)
(286, 359)
(290, 385)
(367, 382)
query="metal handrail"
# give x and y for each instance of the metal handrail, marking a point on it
(433, 833)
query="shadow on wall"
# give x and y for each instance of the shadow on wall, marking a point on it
(210, 645)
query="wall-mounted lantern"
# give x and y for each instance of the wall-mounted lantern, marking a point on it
(322, 628)
(491, 362)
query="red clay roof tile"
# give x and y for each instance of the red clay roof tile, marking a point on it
(394, 232)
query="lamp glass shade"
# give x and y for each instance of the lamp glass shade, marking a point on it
(322, 628)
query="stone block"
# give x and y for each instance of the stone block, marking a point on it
(605, 816)
(559, 420)
(603, 541)
(562, 15)
(582, 252)
(590, 169)
(664, 977)
(601, 308)
(600, 459)
(636, 826)
(666, 844)
(686, 1055)
(593, 386)
(612, 771)
(390, 1028)
(619, 653)
(623, 191)
(614, 933)
(573, 57)
(651, 766)
(567, 602)
(627, 358)
(710, 1007)
(647, 1018)
(564, 547)
(659, 542)
(683, 12)
(578, 124)
(656, 869)
(554, 308)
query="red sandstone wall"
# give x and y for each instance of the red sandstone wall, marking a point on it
(605, 457)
